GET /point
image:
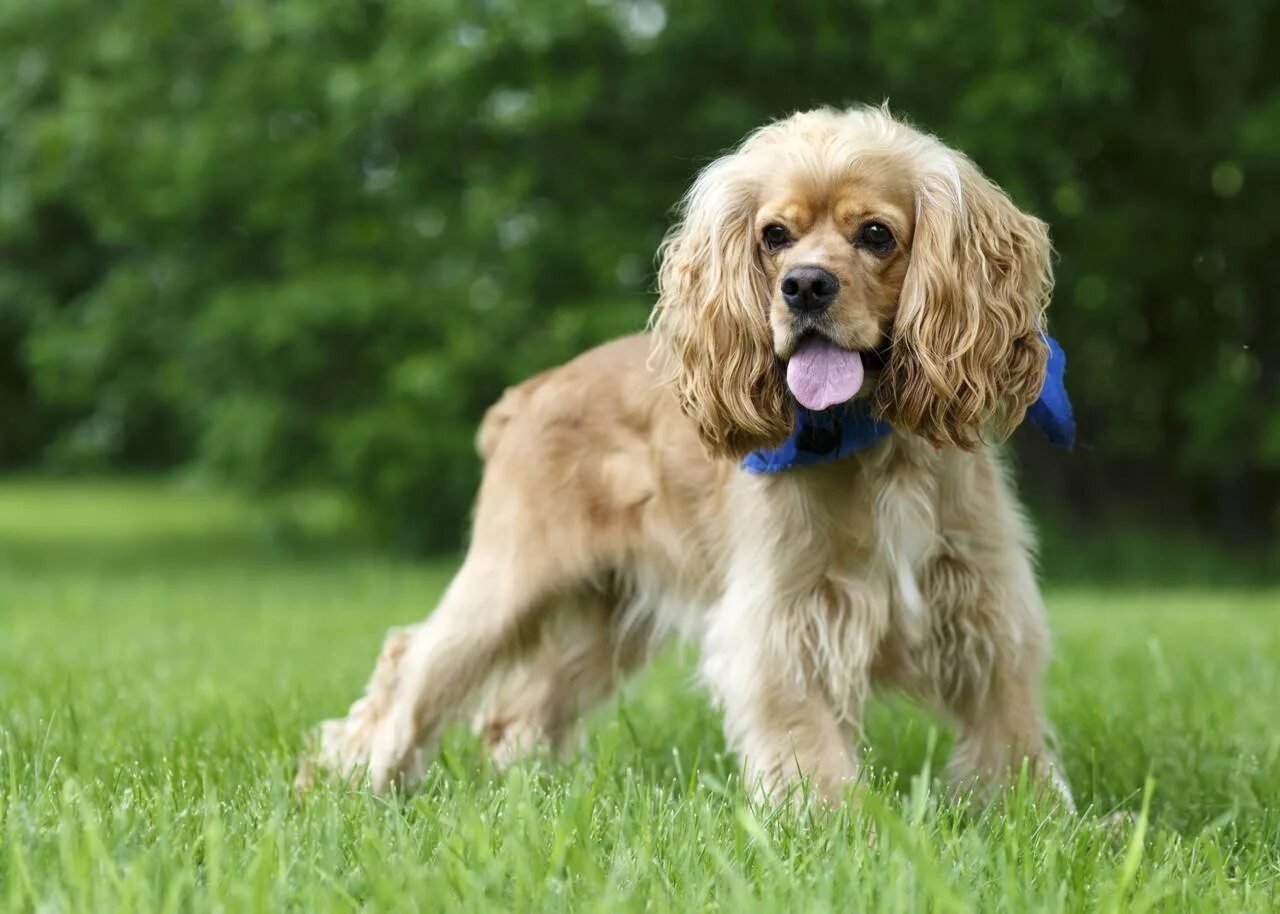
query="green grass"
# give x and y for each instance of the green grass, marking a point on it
(161, 654)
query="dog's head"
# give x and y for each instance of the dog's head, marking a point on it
(841, 254)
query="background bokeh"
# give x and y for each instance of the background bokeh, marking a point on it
(304, 243)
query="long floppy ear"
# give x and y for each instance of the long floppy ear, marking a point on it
(711, 336)
(967, 355)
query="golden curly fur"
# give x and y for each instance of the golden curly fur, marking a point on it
(613, 512)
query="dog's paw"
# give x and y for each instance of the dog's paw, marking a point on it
(509, 740)
(397, 752)
(337, 750)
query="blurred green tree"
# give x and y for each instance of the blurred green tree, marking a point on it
(310, 240)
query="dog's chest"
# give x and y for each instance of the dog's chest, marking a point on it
(879, 512)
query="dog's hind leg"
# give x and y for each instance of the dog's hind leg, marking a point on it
(489, 613)
(341, 746)
(533, 546)
(581, 654)
(548, 522)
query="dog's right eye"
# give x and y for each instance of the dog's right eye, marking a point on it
(775, 236)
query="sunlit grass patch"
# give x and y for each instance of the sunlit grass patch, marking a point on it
(159, 664)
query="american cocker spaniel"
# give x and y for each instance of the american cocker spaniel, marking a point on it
(793, 468)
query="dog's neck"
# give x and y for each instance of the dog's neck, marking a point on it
(835, 433)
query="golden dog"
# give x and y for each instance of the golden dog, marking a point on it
(834, 255)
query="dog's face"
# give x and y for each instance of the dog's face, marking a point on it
(843, 254)
(834, 254)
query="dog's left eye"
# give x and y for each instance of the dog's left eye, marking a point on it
(876, 237)
(775, 236)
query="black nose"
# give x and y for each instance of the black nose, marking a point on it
(809, 290)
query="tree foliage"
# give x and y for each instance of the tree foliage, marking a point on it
(310, 240)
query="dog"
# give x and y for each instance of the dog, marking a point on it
(835, 257)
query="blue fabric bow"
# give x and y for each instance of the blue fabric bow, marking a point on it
(841, 430)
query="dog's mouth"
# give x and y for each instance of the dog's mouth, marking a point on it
(822, 374)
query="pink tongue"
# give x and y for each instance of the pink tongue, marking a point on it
(821, 374)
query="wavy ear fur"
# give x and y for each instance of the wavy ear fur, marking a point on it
(711, 336)
(967, 353)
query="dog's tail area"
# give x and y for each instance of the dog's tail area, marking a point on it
(498, 416)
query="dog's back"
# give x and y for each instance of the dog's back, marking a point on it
(498, 416)
(571, 393)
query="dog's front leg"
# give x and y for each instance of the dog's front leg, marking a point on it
(991, 662)
(778, 716)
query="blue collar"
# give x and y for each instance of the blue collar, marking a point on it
(841, 430)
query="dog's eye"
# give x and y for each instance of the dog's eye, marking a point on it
(775, 236)
(876, 237)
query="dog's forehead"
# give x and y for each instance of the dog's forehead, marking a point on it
(872, 187)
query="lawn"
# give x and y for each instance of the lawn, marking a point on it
(162, 650)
